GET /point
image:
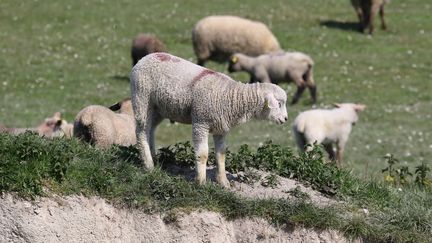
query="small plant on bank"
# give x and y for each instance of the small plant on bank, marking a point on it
(270, 181)
(298, 193)
(421, 179)
(390, 171)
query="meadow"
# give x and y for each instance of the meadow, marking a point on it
(65, 55)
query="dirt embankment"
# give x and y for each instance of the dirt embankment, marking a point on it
(81, 219)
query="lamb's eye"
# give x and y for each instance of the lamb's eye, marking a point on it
(280, 104)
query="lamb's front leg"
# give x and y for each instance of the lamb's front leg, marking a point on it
(200, 141)
(219, 141)
(339, 153)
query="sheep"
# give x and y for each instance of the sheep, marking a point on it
(217, 37)
(366, 11)
(277, 67)
(166, 86)
(46, 129)
(327, 127)
(65, 129)
(103, 127)
(144, 44)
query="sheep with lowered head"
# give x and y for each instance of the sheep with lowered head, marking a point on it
(278, 67)
(144, 44)
(48, 128)
(327, 127)
(103, 127)
(165, 86)
(218, 37)
(367, 10)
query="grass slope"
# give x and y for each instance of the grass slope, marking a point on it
(32, 166)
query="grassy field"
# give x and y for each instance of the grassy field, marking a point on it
(65, 55)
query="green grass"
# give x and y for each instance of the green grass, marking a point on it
(65, 55)
(32, 166)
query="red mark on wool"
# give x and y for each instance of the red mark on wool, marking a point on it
(202, 74)
(163, 57)
(175, 59)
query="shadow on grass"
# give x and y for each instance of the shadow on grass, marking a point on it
(120, 77)
(348, 26)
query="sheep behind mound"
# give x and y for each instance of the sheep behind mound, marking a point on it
(164, 86)
(103, 127)
(48, 128)
(327, 127)
(278, 67)
(144, 44)
(367, 10)
(217, 37)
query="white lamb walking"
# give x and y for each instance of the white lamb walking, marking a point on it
(165, 86)
(327, 127)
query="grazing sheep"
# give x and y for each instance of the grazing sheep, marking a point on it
(366, 11)
(144, 44)
(327, 127)
(165, 86)
(278, 67)
(65, 129)
(218, 37)
(103, 127)
(46, 129)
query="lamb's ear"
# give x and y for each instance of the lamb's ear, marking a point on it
(337, 105)
(58, 123)
(359, 107)
(57, 116)
(115, 107)
(234, 59)
(270, 101)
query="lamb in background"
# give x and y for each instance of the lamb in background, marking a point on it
(165, 86)
(327, 127)
(367, 10)
(144, 44)
(48, 128)
(278, 67)
(218, 37)
(103, 127)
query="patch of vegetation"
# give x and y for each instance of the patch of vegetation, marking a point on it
(33, 166)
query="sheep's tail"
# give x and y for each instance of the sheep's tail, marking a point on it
(308, 75)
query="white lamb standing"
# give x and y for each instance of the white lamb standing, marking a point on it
(278, 67)
(327, 127)
(103, 127)
(166, 86)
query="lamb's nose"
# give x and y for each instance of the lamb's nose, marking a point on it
(286, 118)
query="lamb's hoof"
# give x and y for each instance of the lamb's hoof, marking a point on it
(223, 181)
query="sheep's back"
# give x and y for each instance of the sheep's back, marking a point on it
(229, 34)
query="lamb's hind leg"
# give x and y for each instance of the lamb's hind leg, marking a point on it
(200, 141)
(143, 118)
(329, 148)
(381, 12)
(310, 83)
(156, 120)
(301, 86)
(219, 141)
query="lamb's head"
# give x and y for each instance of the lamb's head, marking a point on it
(352, 110)
(124, 107)
(234, 64)
(50, 125)
(274, 104)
